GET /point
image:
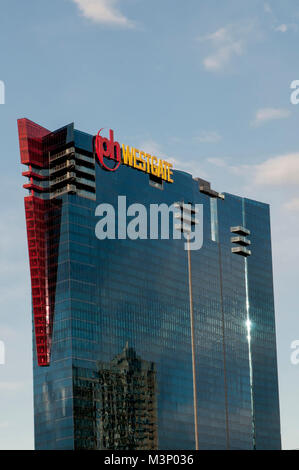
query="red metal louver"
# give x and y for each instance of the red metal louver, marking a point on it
(36, 209)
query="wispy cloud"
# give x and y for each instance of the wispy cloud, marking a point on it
(282, 28)
(269, 114)
(104, 11)
(219, 162)
(4, 424)
(11, 386)
(208, 137)
(267, 8)
(293, 205)
(193, 167)
(154, 148)
(278, 171)
(225, 43)
(276, 24)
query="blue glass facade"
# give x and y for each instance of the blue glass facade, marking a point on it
(120, 374)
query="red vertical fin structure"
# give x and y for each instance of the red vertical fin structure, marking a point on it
(37, 206)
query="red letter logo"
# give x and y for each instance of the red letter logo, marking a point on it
(109, 149)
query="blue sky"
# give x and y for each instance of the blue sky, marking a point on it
(204, 83)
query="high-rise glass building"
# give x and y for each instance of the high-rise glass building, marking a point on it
(113, 362)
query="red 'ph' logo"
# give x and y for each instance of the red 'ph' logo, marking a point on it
(107, 148)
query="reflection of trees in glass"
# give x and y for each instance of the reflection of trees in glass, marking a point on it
(118, 409)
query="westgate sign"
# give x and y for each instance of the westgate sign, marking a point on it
(133, 157)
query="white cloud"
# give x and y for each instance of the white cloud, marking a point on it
(4, 424)
(11, 386)
(293, 204)
(154, 148)
(269, 114)
(226, 43)
(267, 8)
(208, 137)
(241, 170)
(220, 162)
(282, 28)
(192, 167)
(222, 56)
(278, 171)
(103, 11)
(277, 26)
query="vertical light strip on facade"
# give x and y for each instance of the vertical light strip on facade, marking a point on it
(248, 326)
(193, 346)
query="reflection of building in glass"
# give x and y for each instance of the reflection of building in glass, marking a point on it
(128, 403)
(117, 409)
